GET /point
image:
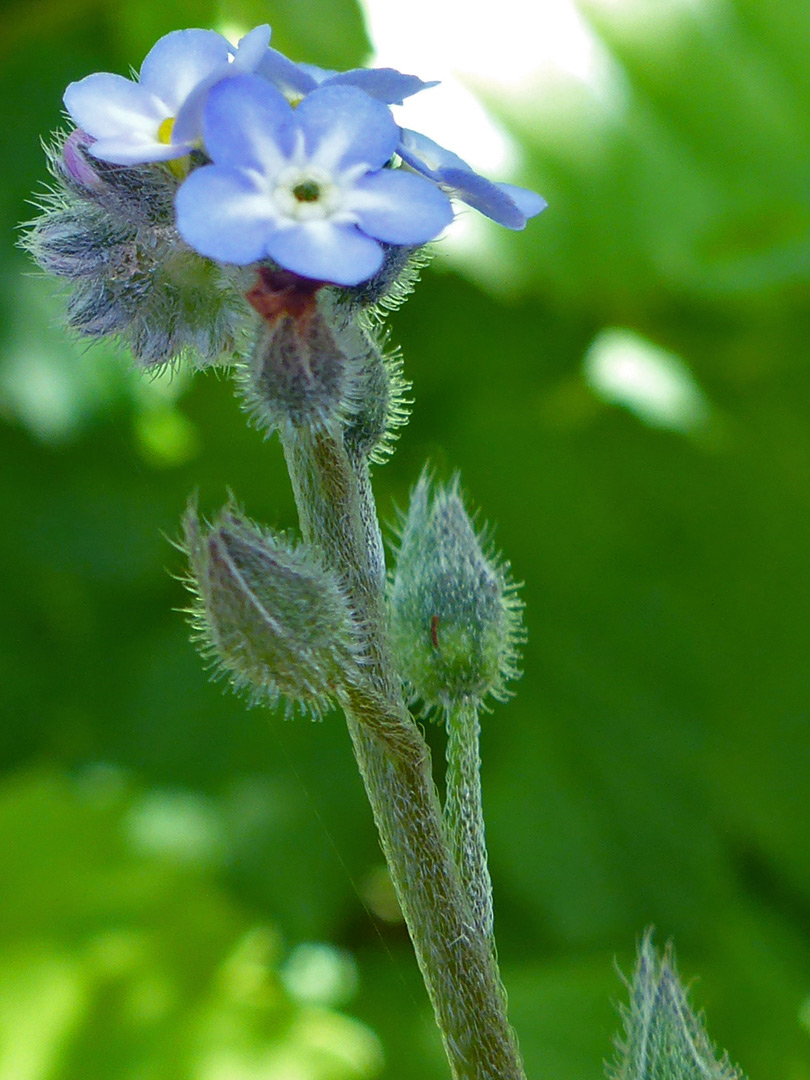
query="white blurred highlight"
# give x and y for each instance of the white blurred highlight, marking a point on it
(515, 50)
(625, 369)
(506, 51)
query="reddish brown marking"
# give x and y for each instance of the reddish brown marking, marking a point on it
(434, 630)
(280, 292)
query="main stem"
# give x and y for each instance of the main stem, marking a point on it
(337, 513)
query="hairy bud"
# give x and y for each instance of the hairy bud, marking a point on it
(268, 614)
(316, 364)
(376, 401)
(455, 619)
(664, 1039)
(393, 283)
(297, 375)
(108, 231)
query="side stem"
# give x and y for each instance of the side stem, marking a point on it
(337, 513)
(463, 812)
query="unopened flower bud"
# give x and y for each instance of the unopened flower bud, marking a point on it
(108, 230)
(392, 284)
(75, 165)
(454, 617)
(297, 375)
(267, 613)
(376, 401)
(665, 1037)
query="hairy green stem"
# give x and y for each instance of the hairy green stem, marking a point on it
(464, 814)
(337, 512)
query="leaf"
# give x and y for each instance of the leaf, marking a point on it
(121, 957)
(329, 33)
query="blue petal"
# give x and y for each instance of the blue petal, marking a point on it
(110, 105)
(343, 126)
(400, 208)
(427, 156)
(251, 49)
(222, 215)
(318, 74)
(504, 203)
(484, 196)
(188, 124)
(290, 78)
(326, 252)
(247, 56)
(528, 202)
(125, 150)
(384, 84)
(249, 124)
(123, 117)
(181, 60)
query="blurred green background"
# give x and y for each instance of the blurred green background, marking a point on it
(193, 891)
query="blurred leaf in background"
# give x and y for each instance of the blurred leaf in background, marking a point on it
(626, 389)
(119, 958)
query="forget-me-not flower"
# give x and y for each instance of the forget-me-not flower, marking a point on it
(507, 204)
(305, 187)
(159, 117)
(295, 80)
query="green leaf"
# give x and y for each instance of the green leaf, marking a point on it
(329, 33)
(121, 958)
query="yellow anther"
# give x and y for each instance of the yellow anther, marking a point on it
(180, 166)
(165, 130)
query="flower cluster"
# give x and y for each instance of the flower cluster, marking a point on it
(284, 162)
(109, 232)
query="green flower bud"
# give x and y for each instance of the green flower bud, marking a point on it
(376, 401)
(297, 375)
(454, 617)
(664, 1039)
(317, 363)
(269, 615)
(391, 285)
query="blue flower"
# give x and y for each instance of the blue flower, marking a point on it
(295, 81)
(505, 203)
(159, 117)
(305, 187)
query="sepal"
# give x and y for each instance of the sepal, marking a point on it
(272, 619)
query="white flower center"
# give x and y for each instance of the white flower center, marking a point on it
(306, 194)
